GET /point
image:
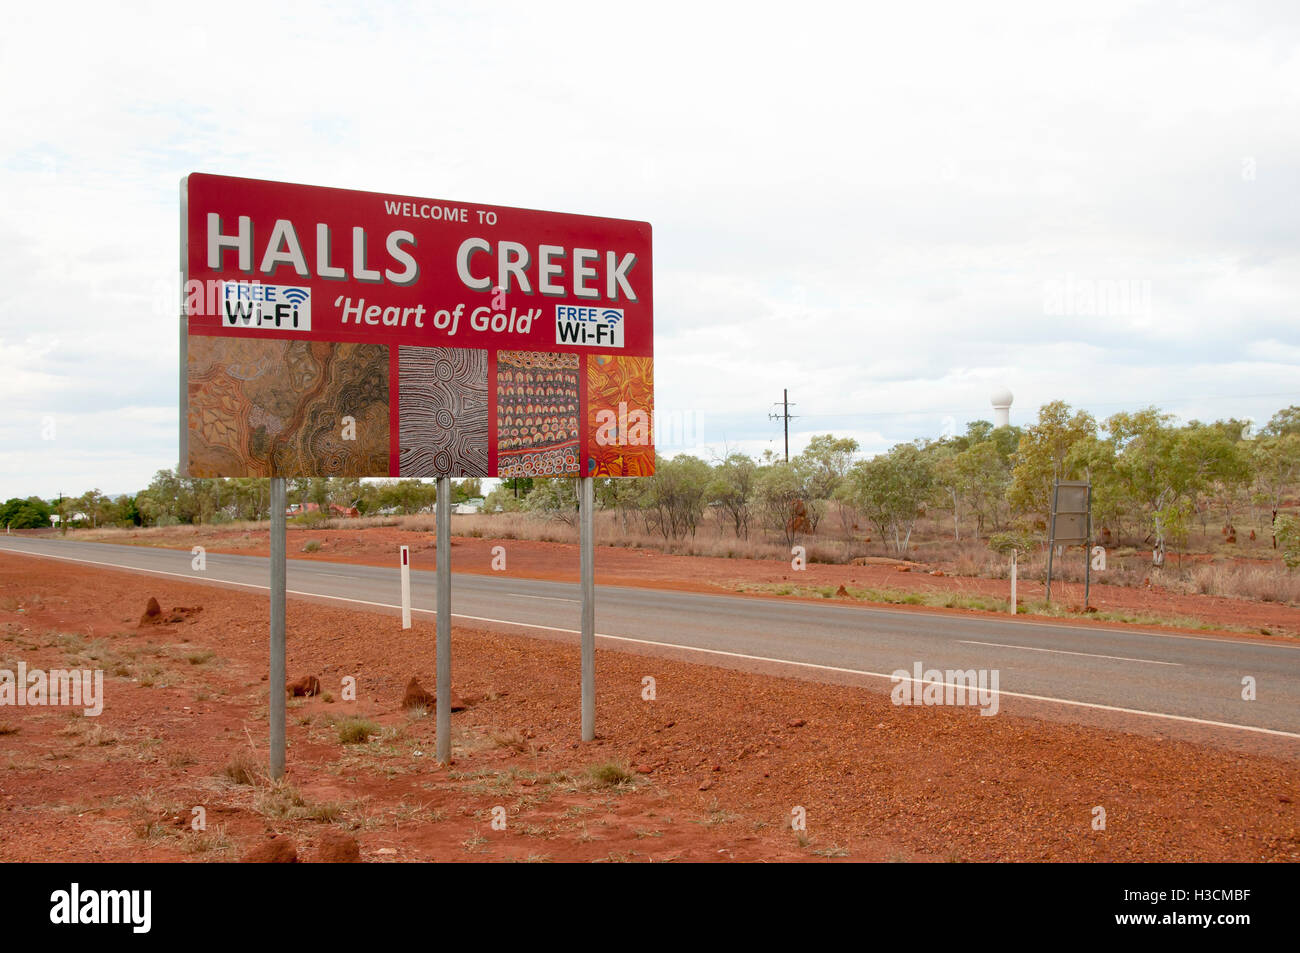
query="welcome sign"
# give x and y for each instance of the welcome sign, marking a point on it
(328, 332)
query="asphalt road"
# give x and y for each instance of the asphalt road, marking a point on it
(1189, 679)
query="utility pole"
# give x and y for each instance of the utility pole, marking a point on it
(784, 416)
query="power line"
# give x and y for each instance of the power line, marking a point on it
(1099, 403)
(785, 406)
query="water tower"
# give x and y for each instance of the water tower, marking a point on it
(1001, 399)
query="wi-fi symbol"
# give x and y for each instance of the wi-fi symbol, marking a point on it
(295, 296)
(612, 315)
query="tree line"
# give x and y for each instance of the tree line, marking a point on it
(1153, 481)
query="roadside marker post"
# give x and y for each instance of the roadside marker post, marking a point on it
(406, 587)
(444, 620)
(586, 506)
(277, 676)
(1013, 582)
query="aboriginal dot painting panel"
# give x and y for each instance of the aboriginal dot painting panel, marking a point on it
(620, 401)
(442, 406)
(261, 407)
(537, 414)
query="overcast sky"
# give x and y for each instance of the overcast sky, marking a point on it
(890, 209)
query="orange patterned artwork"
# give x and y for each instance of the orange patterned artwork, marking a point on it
(537, 414)
(260, 407)
(620, 404)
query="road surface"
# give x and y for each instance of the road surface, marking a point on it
(1192, 680)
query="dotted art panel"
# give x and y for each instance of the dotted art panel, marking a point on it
(537, 414)
(442, 411)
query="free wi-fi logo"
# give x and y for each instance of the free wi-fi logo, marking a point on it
(251, 304)
(589, 327)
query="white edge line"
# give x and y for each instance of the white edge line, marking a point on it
(878, 608)
(1137, 629)
(1034, 648)
(691, 648)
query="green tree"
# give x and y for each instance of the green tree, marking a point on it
(1276, 465)
(1217, 461)
(781, 495)
(949, 484)
(468, 488)
(824, 463)
(982, 480)
(1282, 423)
(555, 498)
(891, 490)
(621, 494)
(1162, 468)
(676, 497)
(31, 513)
(1287, 531)
(1043, 456)
(731, 487)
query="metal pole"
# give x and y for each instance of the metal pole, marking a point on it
(785, 409)
(1051, 543)
(277, 676)
(444, 620)
(1087, 554)
(586, 506)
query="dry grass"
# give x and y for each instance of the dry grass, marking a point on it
(1263, 583)
(355, 730)
(836, 541)
(242, 768)
(610, 775)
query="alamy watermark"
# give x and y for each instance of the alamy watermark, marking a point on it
(1101, 298)
(76, 688)
(973, 687)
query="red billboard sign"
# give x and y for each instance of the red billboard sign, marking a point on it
(329, 332)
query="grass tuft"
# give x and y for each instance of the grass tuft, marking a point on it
(355, 730)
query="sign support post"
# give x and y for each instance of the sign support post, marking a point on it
(277, 675)
(586, 508)
(1051, 540)
(1087, 554)
(443, 710)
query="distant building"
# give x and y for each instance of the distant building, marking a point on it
(473, 505)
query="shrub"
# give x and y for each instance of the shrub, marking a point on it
(241, 769)
(355, 730)
(610, 774)
(1287, 531)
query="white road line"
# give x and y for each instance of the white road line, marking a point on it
(520, 595)
(691, 648)
(879, 610)
(1030, 648)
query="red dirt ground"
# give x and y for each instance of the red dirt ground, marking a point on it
(726, 756)
(623, 566)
